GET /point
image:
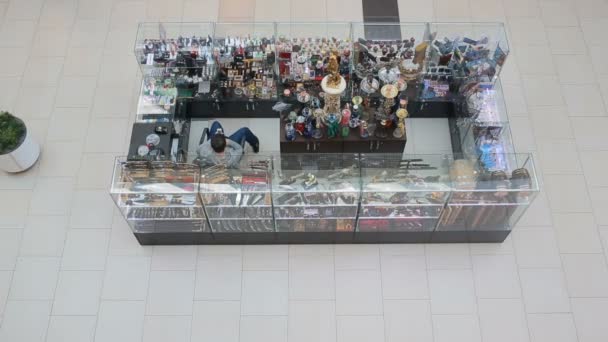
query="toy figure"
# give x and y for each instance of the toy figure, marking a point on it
(346, 114)
(333, 70)
(318, 117)
(290, 132)
(332, 125)
(363, 132)
(401, 114)
(309, 128)
(300, 125)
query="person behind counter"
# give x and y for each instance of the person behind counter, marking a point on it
(219, 149)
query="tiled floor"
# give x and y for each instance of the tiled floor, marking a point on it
(70, 270)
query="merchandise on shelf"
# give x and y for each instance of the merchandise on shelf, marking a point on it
(316, 194)
(238, 200)
(158, 197)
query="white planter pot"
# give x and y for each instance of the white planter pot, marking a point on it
(23, 157)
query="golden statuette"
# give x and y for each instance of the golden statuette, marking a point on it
(334, 78)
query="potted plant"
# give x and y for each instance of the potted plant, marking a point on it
(18, 150)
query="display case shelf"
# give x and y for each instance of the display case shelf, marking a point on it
(238, 195)
(158, 197)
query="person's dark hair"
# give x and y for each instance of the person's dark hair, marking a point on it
(218, 143)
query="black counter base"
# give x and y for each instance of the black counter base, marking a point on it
(470, 236)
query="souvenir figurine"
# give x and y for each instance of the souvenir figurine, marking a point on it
(399, 132)
(363, 132)
(309, 128)
(300, 125)
(333, 85)
(401, 114)
(290, 132)
(318, 117)
(333, 124)
(389, 92)
(382, 127)
(310, 182)
(292, 117)
(369, 85)
(346, 114)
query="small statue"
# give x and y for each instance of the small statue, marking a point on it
(300, 125)
(363, 132)
(332, 125)
(290, 132)
(334, 79)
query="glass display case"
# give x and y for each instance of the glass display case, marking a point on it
(303, 55)
(157, 99)
(471, 53)
(489, 198)
(239, 200)
(176, 60)
(316, 193)
(245, 54)
(323, 198)
(403, 193)
(174, 45)
(158, 197)
(486, 131)
(388, 54)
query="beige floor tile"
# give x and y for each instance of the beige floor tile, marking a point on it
(584, 100)
(558, 13)
(89, 33)
(271, 10)
(542, 91)
(574, 69)
(527, 31)
(58, 13)
(577, 233)
(128, 14)
(159, 10)
(93, 9)
(17, 33)
(82, 61)
(13, 62)
(39, 109)
(43, 71)
(534, 60)
(76, 91)
(68, 124)
(52, 196)
(566, 40)
(60, 159)
(594, 29)
(51, 41)
(8, 92)
(25, 10)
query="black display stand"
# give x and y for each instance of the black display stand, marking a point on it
(470, 236)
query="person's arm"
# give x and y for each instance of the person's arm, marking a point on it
(234, 146)
(235, 153)
(205, 152)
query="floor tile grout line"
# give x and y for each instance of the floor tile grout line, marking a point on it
(477, 312)
(32, 192)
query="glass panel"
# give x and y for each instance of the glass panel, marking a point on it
(238, 200)
(489, 198)
(316, 192)
(402, 193)
(303, 51)
(159, 197)
(159, 45)
(473, 52)
(245, 53)
(388, 53)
